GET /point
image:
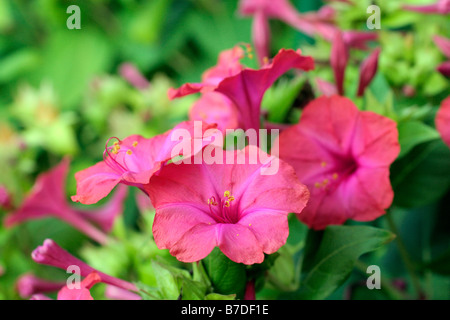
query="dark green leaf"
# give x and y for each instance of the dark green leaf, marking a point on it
(341, 246)
(227, 277)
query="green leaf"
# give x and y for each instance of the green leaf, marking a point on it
(441, 264)
(147, 292)
(279, 98)
(412, 133)
(166, 281)
(227, 277)
(422, 176)
(339, 249)
(216, 296)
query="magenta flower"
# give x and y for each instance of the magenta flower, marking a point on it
(116, 293)
(321, 22)
(28, 285)
(5, 199)
(339, 60)
(48, 198)
(131, 161)
(439, 7)
(444, 45)
(343, 156)
(367, 71)
(443, 120)
(246, 88)
(214, 107)
(231, 206)
(130, 73)
(53, 255)
(81, 293)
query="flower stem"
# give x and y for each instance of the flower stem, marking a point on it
(405, 255)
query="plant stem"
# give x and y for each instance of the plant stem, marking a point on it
(405, 255)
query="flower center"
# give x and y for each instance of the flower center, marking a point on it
(115, 156)
(223, 210)
(334, 174)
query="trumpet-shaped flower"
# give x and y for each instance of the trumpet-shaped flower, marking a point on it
(311, 23)
(132, 161)
(51, 254)
(343, 156)
(229, 205)
(81, 293)
(245, 88)
(48, 198)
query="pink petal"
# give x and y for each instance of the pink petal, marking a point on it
(443, 120)
(339, 60)
(367, 71)
(375, 140)
(173, 221)
(270, 227)
(95, 183)
(261, 36)
(196, 243)
(247, 88)
(326, 88)
(214, 107)
(367, 193)
(240, 244)
(444, 68)
(443, 44)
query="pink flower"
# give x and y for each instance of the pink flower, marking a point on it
(311, 23)
(214, 107)
(131, 161)
(130, 73)
(444, 68)
(443, 120)
(116, 293)
(5, 199)
(343, 156)
(232, 206)
(28, 285)
(48, 198)
(81, 293)
(246, 88)
(367, 71)
(444, 45)
(439, 7)
(53, 255)
(338, 61)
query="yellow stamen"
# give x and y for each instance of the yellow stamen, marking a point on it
(323, 164)
(335, 176)
(135, 143)
(227, 204)
(265, 60)
(317, 184)
(226, 194)
(325, 182)
(249, 224)
(129, 152)
(250, 56)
